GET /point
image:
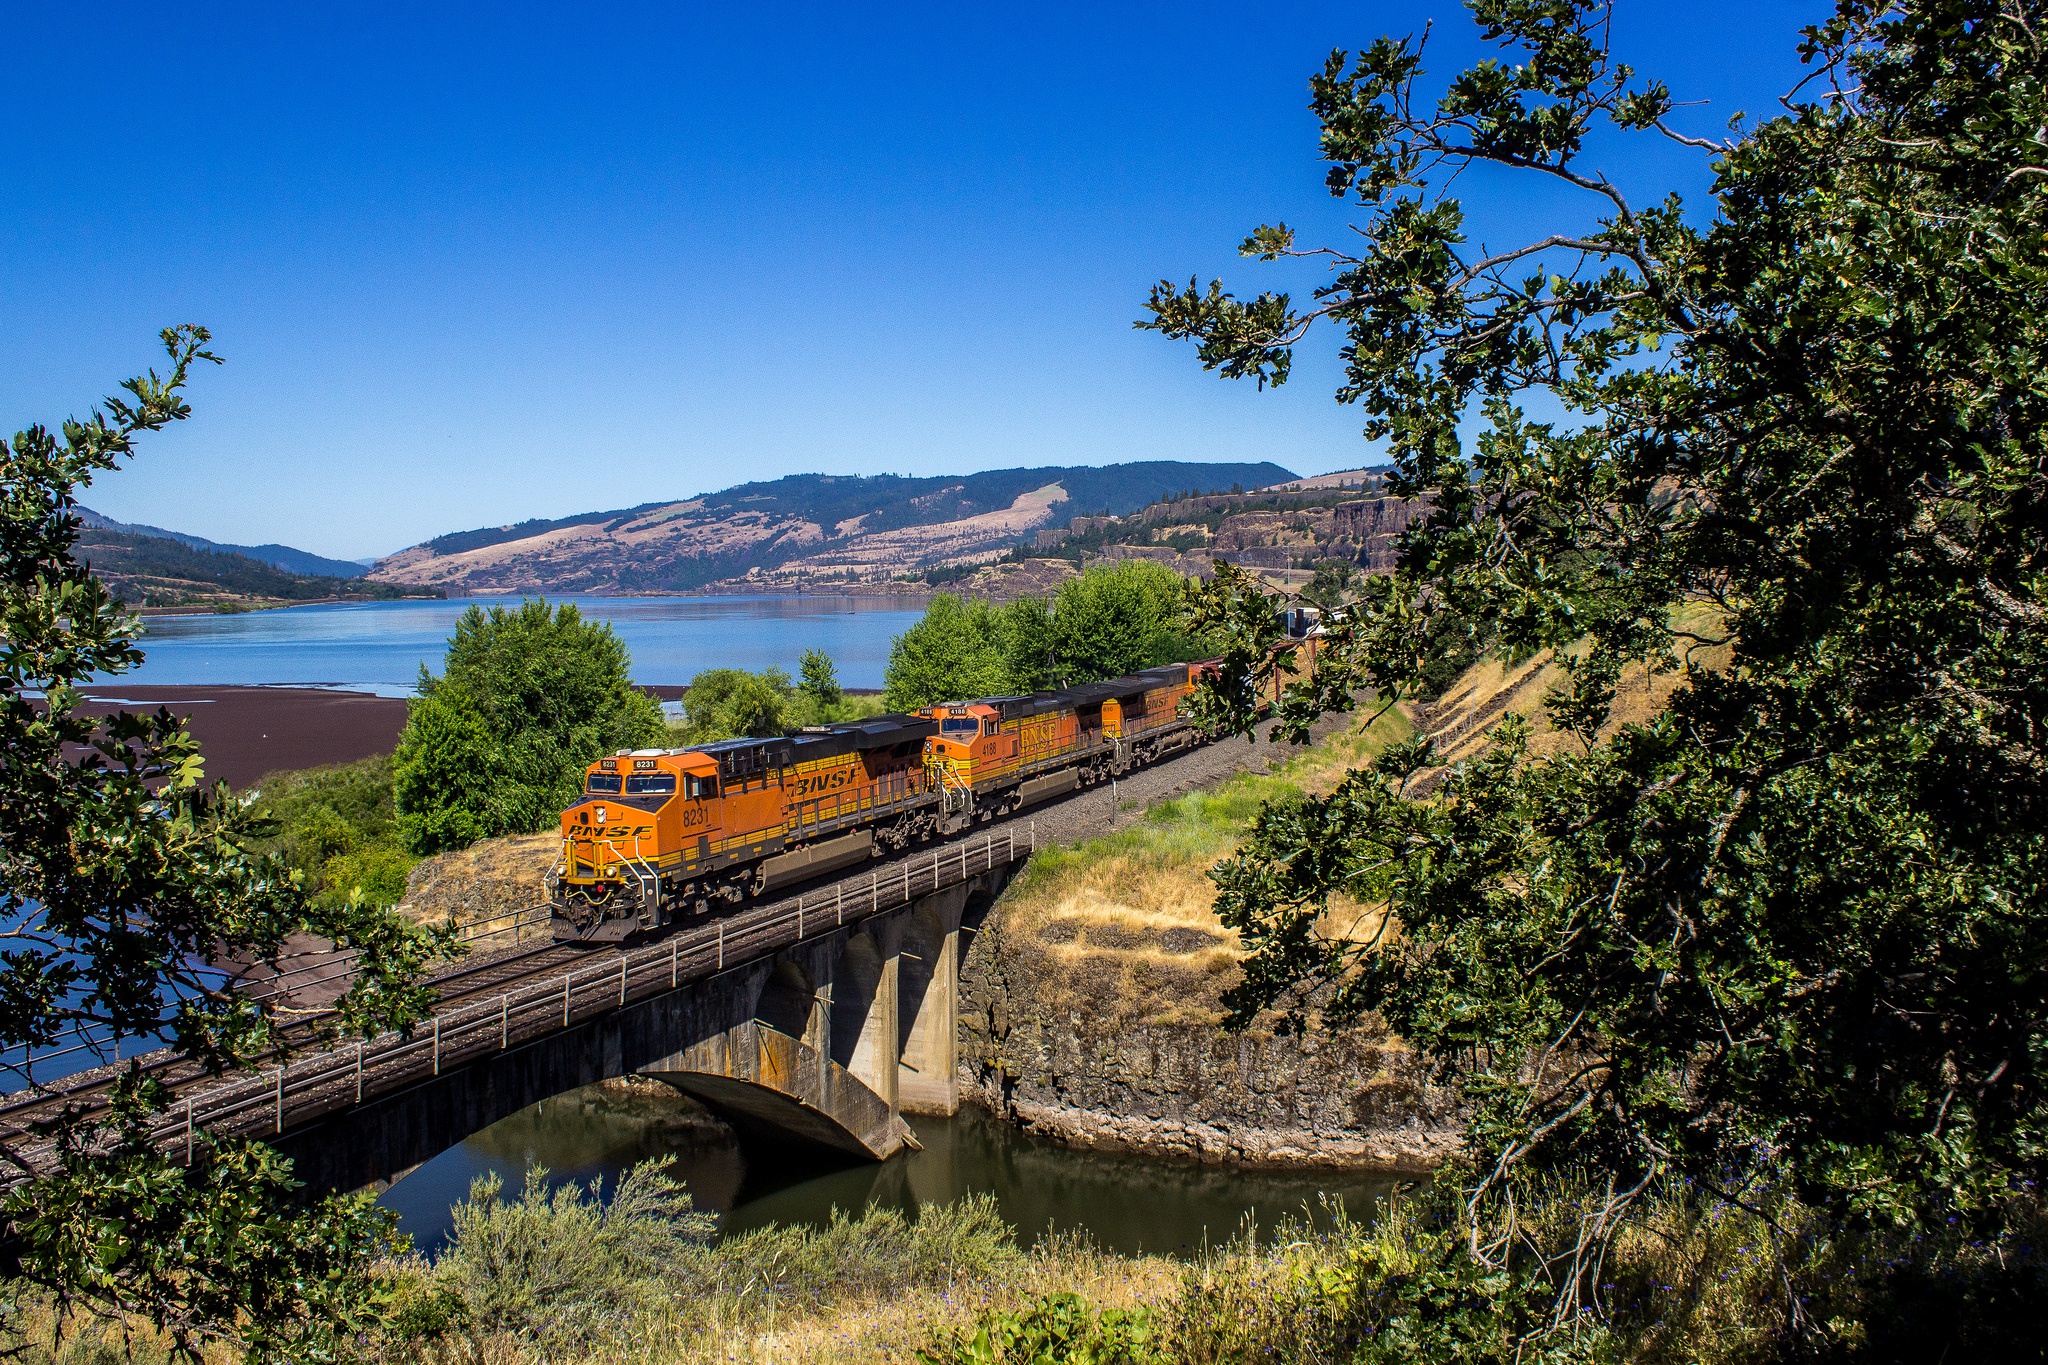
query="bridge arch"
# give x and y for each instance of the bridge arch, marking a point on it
(827, 1041)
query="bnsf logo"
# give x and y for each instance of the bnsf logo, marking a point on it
(814, 784)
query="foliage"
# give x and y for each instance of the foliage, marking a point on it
(1117, 619)
(1058, 1329)
(1331, 583)
(1402, 1290)
(870, 1255)
(121, 876)
(820, 679)
(528, 699)
(1794, 929)
(1110, 621)
(337, 827)
(564, 1270)
(955, 650)
(727, 703)
(560, 1266)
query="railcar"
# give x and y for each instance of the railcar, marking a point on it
(659, 835)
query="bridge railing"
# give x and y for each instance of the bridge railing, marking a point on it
(340, 967)
(319, 1084)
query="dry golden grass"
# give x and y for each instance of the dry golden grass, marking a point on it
(496, 877)
(1129, 919)
(890, 1331)
(1484, 694)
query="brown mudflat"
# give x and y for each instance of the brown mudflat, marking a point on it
(245, 732)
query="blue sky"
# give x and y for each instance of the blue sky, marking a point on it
(469, 266)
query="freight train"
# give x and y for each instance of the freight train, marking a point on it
(662, 835)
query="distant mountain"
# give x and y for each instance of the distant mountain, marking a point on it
(278, 556)
(155, 571)
(818, 532)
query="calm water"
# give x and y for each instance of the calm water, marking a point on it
(379, 646)
(1129, 1204)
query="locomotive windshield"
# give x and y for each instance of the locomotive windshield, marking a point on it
(960, 725)
(651, 784)
(602, 782)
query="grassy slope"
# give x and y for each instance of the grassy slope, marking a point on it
(1106, 906)
(1114, 909)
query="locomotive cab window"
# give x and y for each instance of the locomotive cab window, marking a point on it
(700, 788)
(966, 727)
(603, 782)
(651, 784)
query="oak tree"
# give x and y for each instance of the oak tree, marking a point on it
(123, 877)
(1793, 932)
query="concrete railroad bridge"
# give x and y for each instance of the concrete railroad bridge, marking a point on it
(821, 1017)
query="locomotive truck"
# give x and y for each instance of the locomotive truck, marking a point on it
(660, 835)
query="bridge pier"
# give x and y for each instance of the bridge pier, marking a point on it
(928, 1062)
(815, 1040)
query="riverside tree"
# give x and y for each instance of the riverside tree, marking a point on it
(527, 699)
(1791, 934)
(122, 873)
(1109, 621)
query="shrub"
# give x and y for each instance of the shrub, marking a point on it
(726, 703)
(820, 679)
(877, 1253)
(337, 827)
(1058, 1329)
(528, 699)
(1112, 620)
(954, 650)
(561, 1267)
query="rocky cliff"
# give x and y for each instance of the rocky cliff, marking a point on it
(1040, 1048)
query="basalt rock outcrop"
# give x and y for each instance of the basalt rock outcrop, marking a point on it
(1107, 1037)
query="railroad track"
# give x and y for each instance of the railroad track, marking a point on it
(503, 973)
(508, 1002)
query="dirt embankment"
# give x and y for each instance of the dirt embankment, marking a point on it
(487, 881)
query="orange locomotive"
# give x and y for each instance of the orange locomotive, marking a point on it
(663, 833)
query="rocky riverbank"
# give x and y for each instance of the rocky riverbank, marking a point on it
(1184, 1087)
(1091, 1004)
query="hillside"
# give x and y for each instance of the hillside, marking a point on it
(284, 557)
(1281, 531)
(809, 532)
(152, 572)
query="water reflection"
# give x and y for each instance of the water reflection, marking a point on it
(1128, 1204)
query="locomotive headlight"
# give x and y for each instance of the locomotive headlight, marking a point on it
(600, 815)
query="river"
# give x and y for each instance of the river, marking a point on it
(1127, 1204)
(379, 646)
